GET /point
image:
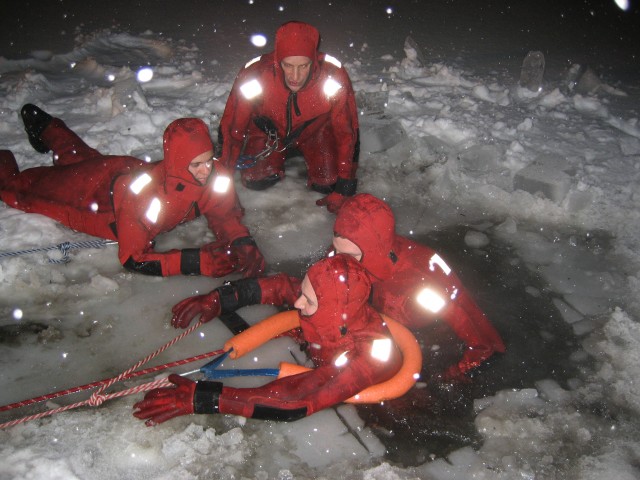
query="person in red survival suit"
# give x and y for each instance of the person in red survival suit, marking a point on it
(411, 283)
(293, 98)
(125, 199)
(348, 342)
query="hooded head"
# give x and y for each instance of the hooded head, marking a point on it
(342, 288)
(369, 223)
(297, 39)
(341, 285)
(184, 139)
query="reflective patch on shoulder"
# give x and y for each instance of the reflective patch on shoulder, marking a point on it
(139, 183)
(252, 61)
(332, 60)
(221, 184)
(331, 87)
(251, 89)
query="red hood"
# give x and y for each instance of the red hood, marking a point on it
(297, 39)
(342, 287)
(369, 223)
(184, 139)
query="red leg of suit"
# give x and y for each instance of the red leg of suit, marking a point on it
(67, 147)
(317, 146)
(271, 165)
(320, 155)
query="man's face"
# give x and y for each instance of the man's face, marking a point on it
(307, 302)
(296, 71)
(200, 167)
(346, 246)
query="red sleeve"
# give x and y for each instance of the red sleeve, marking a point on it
(344, 121)
(223, 210)
(279, 289)
(234, 124)
(472, 326)
(135, 238)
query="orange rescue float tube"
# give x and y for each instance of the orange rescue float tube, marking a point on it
(280, 323)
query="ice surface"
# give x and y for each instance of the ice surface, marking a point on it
(557, 273)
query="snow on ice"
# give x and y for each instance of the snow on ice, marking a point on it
(532, 195)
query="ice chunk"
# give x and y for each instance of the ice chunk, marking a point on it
(629, 145)
(578, 200)
(413, 52)
(349, 414)
(548, 181)
(552, 160)
(568, 314)
(532, 71)
(378, 135)
(476, 239)
(588, 304)
(323, 438)
(372, 102)
(550, 390)
(509, 226)
(481, 158)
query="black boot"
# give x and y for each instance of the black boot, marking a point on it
(263, 183)
(35, 121)
(8, 167)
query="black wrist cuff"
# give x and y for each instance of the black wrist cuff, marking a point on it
(238, 294)
(190, 261)
(205, 397)
(249, 292)
(346, 187)
(243, 241)
(228, 298)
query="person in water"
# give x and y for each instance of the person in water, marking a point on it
(347, 340)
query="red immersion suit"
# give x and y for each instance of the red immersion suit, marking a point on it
(125, 199)
(400, 270)
(320, 119)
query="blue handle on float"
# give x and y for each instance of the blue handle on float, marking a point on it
(236, 372)
(210, 370)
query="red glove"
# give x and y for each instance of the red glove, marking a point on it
(162, 404)
(333, 202)
(207, 306)
(217, 260)
(250, 259)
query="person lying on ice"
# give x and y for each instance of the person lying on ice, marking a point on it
(348, 342)
(293, 99)
(123, 198)
(411, 283)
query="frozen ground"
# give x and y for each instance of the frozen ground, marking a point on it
(532, 196)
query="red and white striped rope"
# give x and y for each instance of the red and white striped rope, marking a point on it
(98, 397)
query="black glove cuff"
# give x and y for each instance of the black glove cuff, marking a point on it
(249, 292)
(228, 298)
(238, 294)
(190, 261)
(243, 241)
(346, 188)
(205, 397)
